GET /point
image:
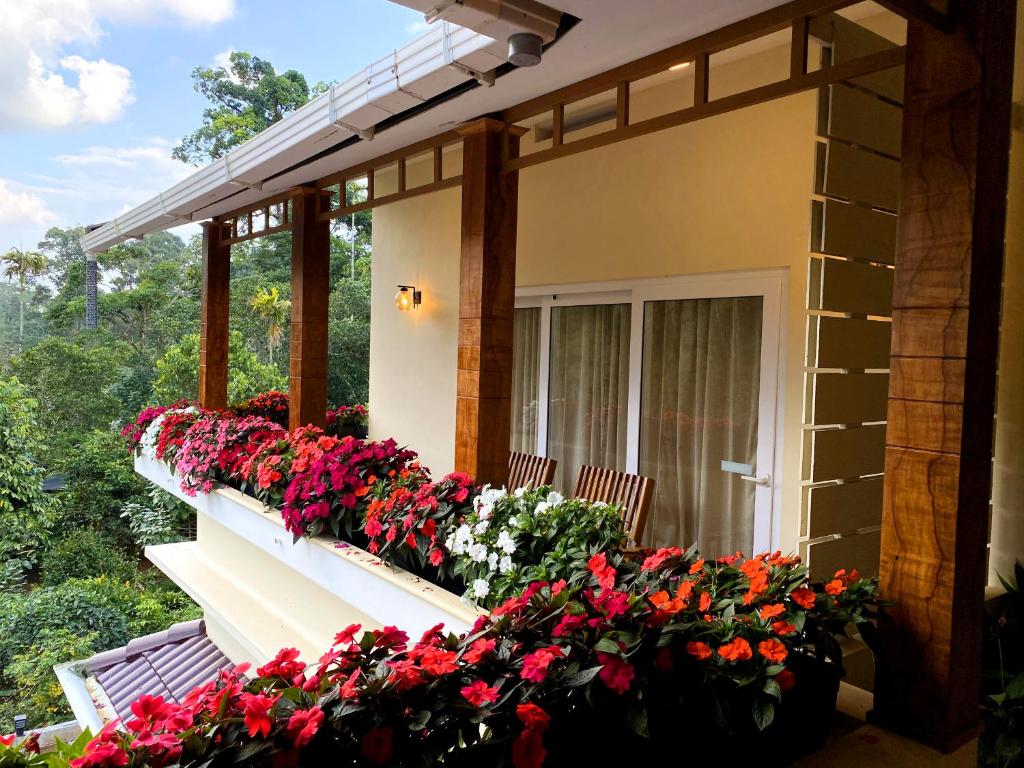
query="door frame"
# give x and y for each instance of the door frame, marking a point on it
(770, 284)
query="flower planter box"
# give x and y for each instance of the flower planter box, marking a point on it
(289, 593)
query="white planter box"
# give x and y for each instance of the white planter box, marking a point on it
(262, 592)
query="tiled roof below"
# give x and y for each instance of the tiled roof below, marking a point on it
(168, 664)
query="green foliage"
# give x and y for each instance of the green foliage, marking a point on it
(178, 371)
(1002, 742)
(25, 511)
(348, 373)
(71, 384)
(162, 520)
(246, 97)
(84, 553)
(42, 698)
(100, 481)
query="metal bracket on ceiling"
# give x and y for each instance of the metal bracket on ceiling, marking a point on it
(439, 10)
(256, 185)
(483, 78)
(363, 133)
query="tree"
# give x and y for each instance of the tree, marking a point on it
(23, 265)
(247, 96)
(269, 307)
(178, 372)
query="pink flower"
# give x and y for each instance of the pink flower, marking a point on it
(479, 693)
(535, 665)
(303, 725)
(256, 711)
(616, 672)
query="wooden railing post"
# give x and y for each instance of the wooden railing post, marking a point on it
(213, 317)
(311, 250)
(486, 302)
(949, 260)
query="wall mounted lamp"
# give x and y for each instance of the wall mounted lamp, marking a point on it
(408, 298)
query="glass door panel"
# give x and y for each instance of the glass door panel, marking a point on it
(588, 389)
(700, 387)
(525, 379)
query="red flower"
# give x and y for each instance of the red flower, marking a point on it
(256, 709)
(772, 650)
(478, 649)
(347, 635)
(705, 602)
(737, 649)
(568, 624)
(655, 561)
(663, 660)
(604, 573)
(438, 662)
(535, 665)
(479, 693)
(835, 587)
(436, 557)
(700, 651)
(616, 672)
(285, 665)
(783, 628)
(377, 745)
(533, 717)
(303, 725)
(771, 611)
(697, 567)
(786, 680)
(803, 597)
(528, 750)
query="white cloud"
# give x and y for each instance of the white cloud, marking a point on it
(417, 27)
(42, 87)
(20, 207)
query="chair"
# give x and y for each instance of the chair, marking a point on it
(633, 493)
(528, 471)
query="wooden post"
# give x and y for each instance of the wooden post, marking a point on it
(213, 317)
(956, 132)
(311, 250)
(486, 302)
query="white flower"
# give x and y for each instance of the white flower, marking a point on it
(463, 538)
(481, 588)
(555, 498)
(519, 493)
(513, 521)
(148, 442)
(492, 561)
(505, 564)
(449, 543)
(480, 528)
(506, 543)
(541, 508)
(478, 552)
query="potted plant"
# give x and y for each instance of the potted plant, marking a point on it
(348, 421)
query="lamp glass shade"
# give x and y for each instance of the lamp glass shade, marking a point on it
(403, 299)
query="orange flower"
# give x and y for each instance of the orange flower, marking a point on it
(737, 649)
(752, 568)
(783, 628)
(835, 587)
(696, 567)
(771, 611)
(705, 602)
(662, 602)
(685, 591)
(700, 651)
(772, 650)
(758, 585)
(803, 597)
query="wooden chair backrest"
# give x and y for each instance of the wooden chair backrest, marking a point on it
(528, 471)
(633, 493)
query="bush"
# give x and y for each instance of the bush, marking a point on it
(178, 372)
(162, 520)
(84, 554)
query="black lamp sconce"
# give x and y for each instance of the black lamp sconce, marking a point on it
(408, 298)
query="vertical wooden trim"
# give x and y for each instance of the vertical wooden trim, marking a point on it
(486, 302)
(213, 317)
(557, 125)
(956, 131)
(701, 78)
(798, 47)
(307, 383)
(369, 185)
(401, 174)
(438, 164)
(622, 104)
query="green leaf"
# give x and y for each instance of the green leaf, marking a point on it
(764, 713)
(582, 678)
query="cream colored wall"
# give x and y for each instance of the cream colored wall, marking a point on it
(725, 194)
(413, 355)
(1008, 467)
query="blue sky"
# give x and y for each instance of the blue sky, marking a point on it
(94, 93)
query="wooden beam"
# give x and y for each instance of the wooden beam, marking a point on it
(956, 133)
(311, 247)
(936, 13)
(213, 317)
(701, 79)
(486, 301)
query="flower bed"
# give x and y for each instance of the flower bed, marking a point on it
(625, 660)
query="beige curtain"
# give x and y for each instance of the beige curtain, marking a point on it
(525, 379)
(699, 403)
(589, 388)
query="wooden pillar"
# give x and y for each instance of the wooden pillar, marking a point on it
(213, 317)
(311, 251)
(946, 299)
(486, 302)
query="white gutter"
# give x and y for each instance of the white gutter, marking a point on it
(78, 696)
(428, 66)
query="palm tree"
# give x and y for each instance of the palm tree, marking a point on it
(272, 310)
(23, 265)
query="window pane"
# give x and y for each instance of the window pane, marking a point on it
(699, 406)
(589, 388)
(525, 379)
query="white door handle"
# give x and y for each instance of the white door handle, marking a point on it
(763, 480)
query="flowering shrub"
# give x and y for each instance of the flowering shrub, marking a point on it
(215, 449)
(622, 657)
(269, 468)
(331, 492)
(272, 405)
(510, 540)
(347, 416)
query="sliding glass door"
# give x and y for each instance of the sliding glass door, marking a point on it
(672, 379)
